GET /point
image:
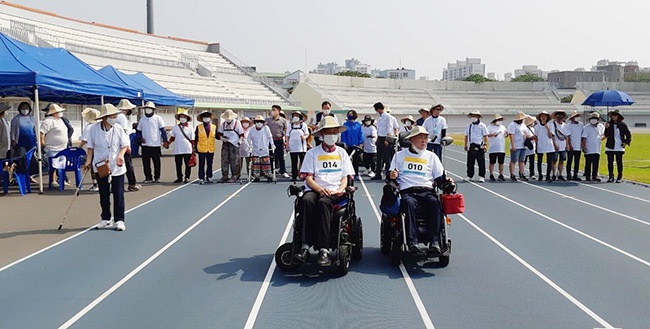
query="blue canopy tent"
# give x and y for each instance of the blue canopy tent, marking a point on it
(151, 90)
(55, 75)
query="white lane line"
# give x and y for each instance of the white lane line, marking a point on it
(559, 289)
(640, 260)
(407, 278)
(103, 296)
(252, 316)
(90, 228)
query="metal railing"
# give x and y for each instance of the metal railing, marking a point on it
(233, 100)
(326, 94)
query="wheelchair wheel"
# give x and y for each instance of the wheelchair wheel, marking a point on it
(443, 261)
(284, 258)
(357, 249)
(384, 236)
(343, 260)
(395, 253)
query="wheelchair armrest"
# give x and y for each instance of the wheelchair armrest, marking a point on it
(351, 189)
(294, 190)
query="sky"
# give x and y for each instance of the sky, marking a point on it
(425, 35)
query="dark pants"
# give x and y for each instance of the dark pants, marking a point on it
(229, 160)
(429, 207)
(435, 148)
(278, 154)
(149, 154)
(473, 157)
(573, 157)
(531, 164)
(205, 165)
(317, 211)
(384, 156)
(619, 163)
(116, 187)
(356, 159)
(369, 160)
(130, 174)
(550, 157)
(182, 159)
(591, 165)
(296, 162)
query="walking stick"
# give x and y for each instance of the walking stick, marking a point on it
(76, 194)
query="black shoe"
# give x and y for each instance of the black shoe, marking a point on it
(269, 179)
(577, 179)
(553, 178)
(413, 247)
(323, 258)
(561, 178)
(610, 180)
(596, 179)
(588, 179)
(548, 179)
(618, 180)
(492, 179)
(178, 180)
(523, 177)
(302, 255)
(513, 178)
(434, 248)
(540, 178)
(187, 180)
(501, 178)
(256, 179)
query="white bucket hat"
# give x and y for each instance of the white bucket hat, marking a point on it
(107, 110)
(90, 114)
(125, 104)
(229, 115)
(329, 122)
(54, 108)
(417, 130)
(149, 105)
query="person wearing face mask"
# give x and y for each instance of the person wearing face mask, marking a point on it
(475, 145)
(352, 137)
(518, 132)
(244, 154)
(5, 132)
(560, 134)
(90, 115)
(387, 132)
(316, 119)
(261, 141)
(151, 130)
(407, 125)
(369, 132)
(326, 169)
(545, 146)
(573, 146)
(205, 145)
(618, 137)
(417, 170)
(183, 135)
(107, 143)
(278, 126)
(497, 146)
(54, 134)
(530, 123)
(592, 137)
(126, 109)
(23, 135)
(437, 127)
(297, 136)
(230, 132)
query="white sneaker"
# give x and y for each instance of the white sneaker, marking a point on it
(481, 180)
(371, 174)
(285, 175)
(120, 226)
(104, 224)
(467, 179)
(94, 188)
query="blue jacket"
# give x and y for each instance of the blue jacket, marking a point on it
(353, 135)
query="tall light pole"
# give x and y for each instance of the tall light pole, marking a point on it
(150, 16)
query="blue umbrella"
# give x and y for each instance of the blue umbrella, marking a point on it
(608, 98)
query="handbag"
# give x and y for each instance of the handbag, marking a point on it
(528, 143)
(103, 169)
(559, 133)
(192, 161)
(453, 203)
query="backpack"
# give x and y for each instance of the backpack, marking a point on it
(390, 200)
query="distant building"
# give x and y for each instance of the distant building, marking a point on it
(569, 79)
(402, 74)
(491, 76)
(330, 68)
(507, 76)
(531, 69)
(462, 69)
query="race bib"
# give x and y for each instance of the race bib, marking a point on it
(329, 163)
(414, 167)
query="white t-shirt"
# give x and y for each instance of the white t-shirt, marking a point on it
(295, 133)
(123, 121)
(497, 143)
(231, 132)
(150, 128)
(593, 136)
(56, 134)
(617, 140)
(181, 144)
(328, 168)
(244, 145)
(534, 150)
(369, 138)
(475, 133)
(84, 134)
(434, 127)
(260, 140)
(386, 125)
(520, 132)
(544, 143)
(106, 145)
(416, 169)
(558, 128)
(576, 133)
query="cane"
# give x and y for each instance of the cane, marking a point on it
(76, 194)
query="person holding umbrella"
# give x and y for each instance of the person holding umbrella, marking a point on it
(618, 136)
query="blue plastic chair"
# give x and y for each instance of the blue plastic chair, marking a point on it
(74, 161)
(20, 174)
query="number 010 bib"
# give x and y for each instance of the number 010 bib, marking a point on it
(414, 167)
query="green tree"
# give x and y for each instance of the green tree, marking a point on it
(528, 77)
(477, 78)
(353, 74)
(567, 99)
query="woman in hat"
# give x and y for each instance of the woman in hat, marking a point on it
(497, 146)
(352, 137)
(230, 133)
(152, 134)
(475, 145)
(369, 132)
(297, 135)
(573, 146)
(90, 115)
(407, 125)
(126, 107)
(545, 146)
(560, 133)
(205, 145)
(107, 144)
(5, 132)
(244, 147)
(618, 137)
(424, 114)
(592, 137)
(517, 132)
(183, 135)
(54, 134)
(261, 140)
(23, 134)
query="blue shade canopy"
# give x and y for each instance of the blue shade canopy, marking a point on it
(60, 76)
(608, 98)
(151, 90)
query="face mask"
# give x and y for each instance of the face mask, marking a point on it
(259, 124)
(593, 121)
(498, 123)
(24, 112)
(111, 121)
(245, 125)
(295, 119)
(330, 139)
(148, 111)
(408, 123)
(60, 114)
(183, 120)
(367, 123)
(351, 118)
(473, 119)
(419, 151)
(326, 112)
(206, 120)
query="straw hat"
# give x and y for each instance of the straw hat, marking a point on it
(125, 104)
(574, 114)
(477, 112)
(204, 113)
(442, 108)
(423, 110)
(259, 118)
(184, 112)
(617, 112)
(548, 117)
(497, 117)
(530, 120)
(90, 114)
(329, 122)
(107, 110)
(54, 108)
(229, 115)
(409, 118)
(4, 107)
(149, 105)
(302, 116)
(594, 115)
(520, 116)
(417, 130)
(558, 112)
(245, 119)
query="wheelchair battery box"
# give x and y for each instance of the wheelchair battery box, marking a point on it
(453, 204)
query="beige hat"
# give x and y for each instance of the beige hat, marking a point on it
(594, 115)
(574, 114)
(259, 118)
(530, 120)
(247, 119)
(202, 114)
(417, 130)
(125, 104)
(423, 110)
(90, 114)
(302, 116)
(107, 110)
(54, 108)
(408, 117)
(520, 116)
(149, 105)
(442, 108)
(184, 112)
(497, 117)
(477, 112)
(329, 122)
(558, 112)
(229, 115)
(4, 107)
(548, 117)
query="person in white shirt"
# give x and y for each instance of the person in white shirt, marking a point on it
(261, 141)
(475, 145)
(518, 133)
(544, 138)
(573, 146)
(5, 132)
(560, 134)
(297, 135)
(437, 127)
(107, 144)
(183, 135)
(123, 120)
(387, 132)
(497, 146)
(152, 134)
(230, 133)
(369, 132)
(90, 115)
(326, 169)
(530, 123)
(244, 147)
(417, 170)
(54, 134)
(407, 125)
(592, 137)
(315, 120)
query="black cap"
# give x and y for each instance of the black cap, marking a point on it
(378, 106)
(368, 118)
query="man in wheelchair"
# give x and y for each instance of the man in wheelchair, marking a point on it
(417, 171)
(325, 168)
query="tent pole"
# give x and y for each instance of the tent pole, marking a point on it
(37, 118)
(102, 99)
